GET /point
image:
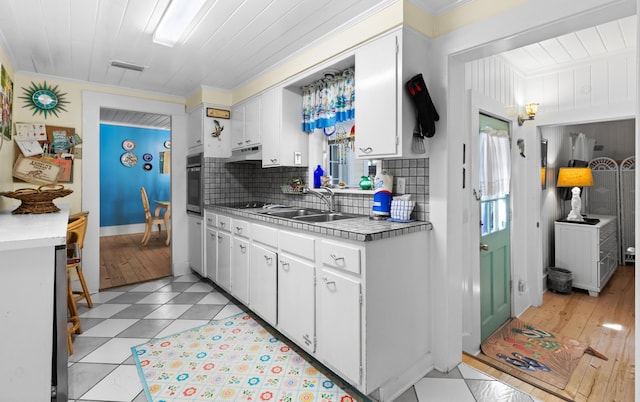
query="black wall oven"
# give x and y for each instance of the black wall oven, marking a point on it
(195, 184)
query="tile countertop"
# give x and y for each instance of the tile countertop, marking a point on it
(359, 229)
(33, 230)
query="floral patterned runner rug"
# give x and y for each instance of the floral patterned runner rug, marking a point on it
(233, 359)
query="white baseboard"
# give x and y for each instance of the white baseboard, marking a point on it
(122, 229)
(393, 388)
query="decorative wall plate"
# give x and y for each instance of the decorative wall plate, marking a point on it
(147, 157)
(44, 99)
(128, 145)
(167, 144)
(129, 159)
(147, 166)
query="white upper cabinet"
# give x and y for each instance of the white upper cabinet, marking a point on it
(202, 131)
(245, 122)
(283, 142)
(385, 115)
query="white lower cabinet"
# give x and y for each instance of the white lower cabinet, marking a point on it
(263, 285)
(296, 300)
(195, 236)
(223, 272)
(338, 299)
(211, 253)
(342, 301)
(240, 269)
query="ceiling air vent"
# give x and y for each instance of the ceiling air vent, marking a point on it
(127, 66)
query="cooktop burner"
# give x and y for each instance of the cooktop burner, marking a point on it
(248, 204)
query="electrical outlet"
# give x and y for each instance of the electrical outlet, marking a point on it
(401, 185)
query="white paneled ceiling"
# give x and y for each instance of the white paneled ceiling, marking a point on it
(229, 43)
(612, 37)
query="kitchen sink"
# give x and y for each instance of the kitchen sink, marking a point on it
(309, 215)
(291, 213)
(324, 217)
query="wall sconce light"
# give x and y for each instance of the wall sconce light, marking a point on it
(531, 109)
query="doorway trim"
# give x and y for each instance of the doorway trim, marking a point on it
(92, 102)
(471, 336)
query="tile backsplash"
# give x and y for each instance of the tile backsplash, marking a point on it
(235, 182)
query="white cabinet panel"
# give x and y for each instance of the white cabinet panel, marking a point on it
(377, 89)
(339, 323)
(240, 269)
(224, 261)
(296, 300)
(195, 237)
(263, 286)
(211, 260)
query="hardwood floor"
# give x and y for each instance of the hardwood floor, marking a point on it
(124, 260)
(606, 323)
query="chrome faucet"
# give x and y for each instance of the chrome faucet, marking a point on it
(326, 198)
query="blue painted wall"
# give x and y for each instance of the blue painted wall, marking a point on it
(120, 202)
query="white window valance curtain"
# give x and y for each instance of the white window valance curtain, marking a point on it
(495, 166)
(328, 101)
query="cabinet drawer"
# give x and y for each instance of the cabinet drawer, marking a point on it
(608, 230)
(224, 223)
(265, 235)
(241, 228)
(608, 245)
(296, 244)
(340, 256)
(210, 219)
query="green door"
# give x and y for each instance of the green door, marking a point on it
(495, 236)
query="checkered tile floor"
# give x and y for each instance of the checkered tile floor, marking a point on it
(102, 368)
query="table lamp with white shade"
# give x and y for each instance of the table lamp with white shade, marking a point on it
(575, 177)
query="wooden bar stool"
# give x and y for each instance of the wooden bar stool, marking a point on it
(73, 320)
(76, 231)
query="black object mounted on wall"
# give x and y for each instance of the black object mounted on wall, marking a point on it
(426, 111)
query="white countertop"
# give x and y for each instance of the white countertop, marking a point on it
(33, 230)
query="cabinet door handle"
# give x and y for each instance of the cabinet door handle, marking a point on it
(240, 143)
(284, 265)
(212, 236)
(328, 282)
(219, 239)
(366, 150)
(222, 224)
(247, 141)
(268, 259)
(336, 258)
(238, 229)
(243, 248)
(273, 160)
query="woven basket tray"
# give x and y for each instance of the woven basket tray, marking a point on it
(37, 200)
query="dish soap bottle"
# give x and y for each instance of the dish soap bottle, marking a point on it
(317, 177)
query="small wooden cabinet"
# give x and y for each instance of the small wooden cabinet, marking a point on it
(590, 252)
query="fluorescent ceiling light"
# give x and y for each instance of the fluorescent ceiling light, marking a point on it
(126, 65)
(176, 18)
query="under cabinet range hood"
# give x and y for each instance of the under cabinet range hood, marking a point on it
(252, 153)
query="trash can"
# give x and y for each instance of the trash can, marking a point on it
(559, 280)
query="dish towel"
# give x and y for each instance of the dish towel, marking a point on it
(401, 207)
